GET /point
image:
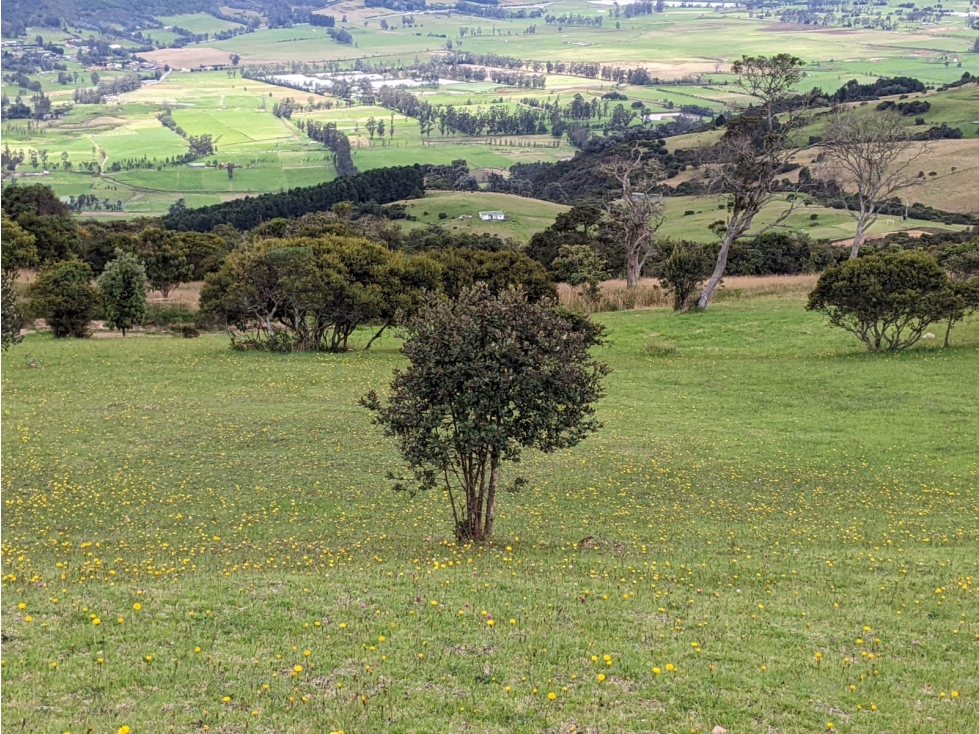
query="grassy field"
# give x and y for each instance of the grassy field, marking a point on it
(525, 217)
(774, 530)
(687, 217)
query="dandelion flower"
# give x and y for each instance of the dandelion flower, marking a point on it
(551, 696)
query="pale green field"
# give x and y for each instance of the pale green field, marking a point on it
(198, 22)
(524, 216)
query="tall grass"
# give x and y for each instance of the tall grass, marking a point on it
(650, 294)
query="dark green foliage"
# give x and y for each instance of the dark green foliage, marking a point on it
(204, 253)
(55, 235)
(772, 253)
(164, 257)
(961, 261)
(382, 185)
(461, 269)
(36, 199)
(11, 319)
(488, 376)
(123, 288)
(688, 265)
(305, 294)
(580, 267)
(19, 248)
(853, 90)
(436, 238)
(583, 224)
(887, 300)
(63, 295)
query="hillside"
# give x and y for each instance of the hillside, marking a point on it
(524, 216)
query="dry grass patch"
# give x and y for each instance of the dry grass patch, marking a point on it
(650, 294)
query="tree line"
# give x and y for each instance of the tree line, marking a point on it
(382, 185)
(335, 140)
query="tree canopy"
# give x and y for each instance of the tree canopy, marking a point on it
(488, 376)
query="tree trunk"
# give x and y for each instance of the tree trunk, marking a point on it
(715, 278)
(376, 336)
(858, 237)
(491, 495)
(632, 269)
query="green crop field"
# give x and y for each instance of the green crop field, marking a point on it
(774, 530)
(692, 45)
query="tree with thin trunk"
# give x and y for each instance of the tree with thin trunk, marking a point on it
(636, 210)
(123, 287)
(873, 153)
(164, 259)
(755, 146)
(488, 376)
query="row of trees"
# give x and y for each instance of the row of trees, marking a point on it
(382, 185)
(335, 140)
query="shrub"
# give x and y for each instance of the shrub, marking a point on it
(306, 294)
(681, 274)
(63, 295)
(887, 300)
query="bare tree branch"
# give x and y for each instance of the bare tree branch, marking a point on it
(874, 153)
(637, 210)
(755, 147)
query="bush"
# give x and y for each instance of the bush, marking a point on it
(886, 300)
(166, 315)
(63, 295)
(306, 294)
(681, 274)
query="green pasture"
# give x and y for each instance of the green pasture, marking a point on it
(832, 224)
(198, 22)
(525, 217)
(773, 530)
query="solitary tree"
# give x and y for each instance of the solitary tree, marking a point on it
(636, 209)
(887, 300)
(123, 287)
(873, 153)
(754, 148)
(487, 377)
(63, 295)
(166, 264)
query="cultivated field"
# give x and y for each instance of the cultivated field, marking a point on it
(273, 154)
(773, 531)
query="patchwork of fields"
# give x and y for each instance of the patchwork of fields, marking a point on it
(272, 154)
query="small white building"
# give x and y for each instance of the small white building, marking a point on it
(492, 216)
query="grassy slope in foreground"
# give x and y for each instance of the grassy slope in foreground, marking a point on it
(765, 493)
